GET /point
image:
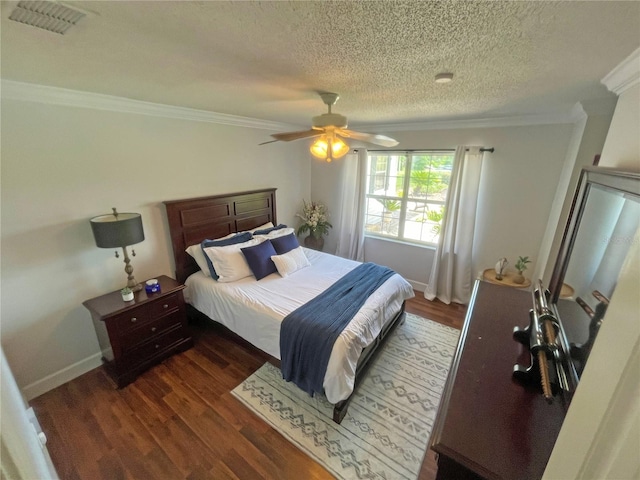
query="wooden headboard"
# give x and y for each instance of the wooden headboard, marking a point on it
(193, 219)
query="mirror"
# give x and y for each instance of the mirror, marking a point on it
(602, 226)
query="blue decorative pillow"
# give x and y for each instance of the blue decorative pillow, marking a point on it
(239, 238)
(267, 230)
(259, 259)
(285, 244)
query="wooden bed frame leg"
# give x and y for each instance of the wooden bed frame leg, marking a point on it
(340, 410)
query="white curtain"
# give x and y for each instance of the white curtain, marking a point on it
(352, 209)
(451, 278)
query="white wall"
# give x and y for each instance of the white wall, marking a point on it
(587, 141)
(623, 141)
(517, 188)
(600, 437)
(62, 165)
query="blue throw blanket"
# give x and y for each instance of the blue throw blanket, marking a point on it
(308, 333)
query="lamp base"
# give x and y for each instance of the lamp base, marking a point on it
(136, 288)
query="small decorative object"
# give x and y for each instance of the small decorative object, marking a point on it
(315, 221)
(152, 286)
(127, 294)
(501, 268)
(521, 266)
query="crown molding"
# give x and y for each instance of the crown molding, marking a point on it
(30, 92)
(520, 120)
(625, 75)
(578, 113)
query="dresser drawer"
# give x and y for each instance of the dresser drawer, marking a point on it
(150, 330)
(132, 319)
(156, 345)
(165, 305)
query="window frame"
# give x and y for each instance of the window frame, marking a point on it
(409, 158)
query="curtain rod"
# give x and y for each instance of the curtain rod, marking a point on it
(482, 149)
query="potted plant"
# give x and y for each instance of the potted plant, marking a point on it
(127, 294)
(521, 266)
(315, 221)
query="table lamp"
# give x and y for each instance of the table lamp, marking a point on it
(119, 230)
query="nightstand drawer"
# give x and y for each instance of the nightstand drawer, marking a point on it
(164, 306)
(132, 319)
(150, 330)
(148, 350)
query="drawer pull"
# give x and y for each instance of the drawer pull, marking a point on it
(157, 346)
(165, 306)
(134, 319)
(153, 329)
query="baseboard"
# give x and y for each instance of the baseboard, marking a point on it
(418, 286)
(61, 377)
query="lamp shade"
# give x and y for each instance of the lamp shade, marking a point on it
(117, 230)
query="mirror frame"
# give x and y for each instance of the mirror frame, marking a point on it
(620, 181)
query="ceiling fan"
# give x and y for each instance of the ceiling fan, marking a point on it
(329, 127)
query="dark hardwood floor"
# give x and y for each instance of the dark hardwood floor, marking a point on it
(179, 420)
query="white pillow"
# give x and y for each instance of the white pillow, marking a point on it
(276, 233)
(290, 262)
(198, 255)
(229, 262)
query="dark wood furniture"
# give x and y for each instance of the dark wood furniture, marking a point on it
(488, 425)
(194, 219)
(138, 334)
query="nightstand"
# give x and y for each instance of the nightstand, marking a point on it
(138, 334)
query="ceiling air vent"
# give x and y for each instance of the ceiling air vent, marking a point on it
(50, 16)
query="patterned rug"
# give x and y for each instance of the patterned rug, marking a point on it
(385, 432)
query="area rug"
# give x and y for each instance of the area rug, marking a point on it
(385, 432)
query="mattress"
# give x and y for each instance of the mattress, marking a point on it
(254, 310)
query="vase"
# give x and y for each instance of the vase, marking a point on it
(315, 243)
(518, 278)
(501, 268)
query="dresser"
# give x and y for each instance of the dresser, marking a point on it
(138, 334)
(488, 425)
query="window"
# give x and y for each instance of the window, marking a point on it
(406, 194)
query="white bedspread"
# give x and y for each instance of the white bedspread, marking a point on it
(255, 309)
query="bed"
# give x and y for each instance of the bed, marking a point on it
(254, 310)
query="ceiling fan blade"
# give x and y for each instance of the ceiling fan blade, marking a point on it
(376, 139)
(289, 136)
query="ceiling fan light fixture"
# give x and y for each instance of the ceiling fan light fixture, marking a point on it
(338, 148)
(320, 147)
(326, 128)
(328, 147)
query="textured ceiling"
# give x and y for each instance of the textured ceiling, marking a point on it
(266, 60)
